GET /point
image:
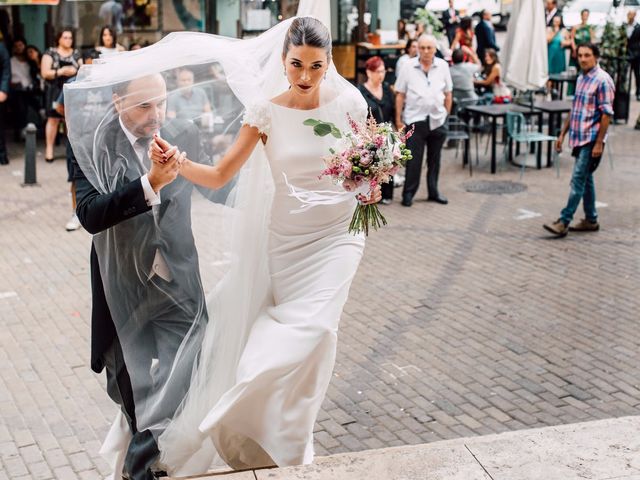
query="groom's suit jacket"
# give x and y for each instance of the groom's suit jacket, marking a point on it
(137, 234)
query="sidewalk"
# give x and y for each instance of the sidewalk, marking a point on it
(464, 320)
(598, 450)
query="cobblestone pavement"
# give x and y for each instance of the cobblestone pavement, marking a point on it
(463, 320)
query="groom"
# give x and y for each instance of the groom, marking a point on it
(148, 311)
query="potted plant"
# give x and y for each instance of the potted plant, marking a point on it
(432, 24)
(614, 60)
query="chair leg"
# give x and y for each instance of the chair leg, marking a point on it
(477, 154)
(526, 159)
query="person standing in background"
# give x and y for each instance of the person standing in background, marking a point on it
(557, 40)
(5, 78)
(581, 34)
(485, 35)
(108, 41)
(24, 89)
(550, 11)
(59, 64)
(381, 102)
(450, 21)
(423, 101)
(463, 35)
(410, 51)
(633, 47)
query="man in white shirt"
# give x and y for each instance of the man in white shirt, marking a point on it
(423, 102)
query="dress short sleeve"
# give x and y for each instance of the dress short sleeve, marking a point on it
(258, 115)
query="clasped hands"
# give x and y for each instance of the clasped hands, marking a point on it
(166, 161)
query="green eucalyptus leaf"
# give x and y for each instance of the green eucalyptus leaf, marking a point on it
(310, 122)
(322, 129)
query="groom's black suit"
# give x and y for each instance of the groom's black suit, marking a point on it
(166, 309)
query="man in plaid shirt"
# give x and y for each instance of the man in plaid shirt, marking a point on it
(587, 126)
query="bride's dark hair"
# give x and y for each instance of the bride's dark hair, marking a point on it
(307, 31)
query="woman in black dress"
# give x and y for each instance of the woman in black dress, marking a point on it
(382, 105)
(59, 64)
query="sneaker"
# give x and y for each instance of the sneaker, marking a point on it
(73, 224)
(585, 225)
(558, 228)
(386, 201)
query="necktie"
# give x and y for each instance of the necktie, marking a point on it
(142, 146)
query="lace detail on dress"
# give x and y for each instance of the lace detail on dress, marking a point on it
(257, 115)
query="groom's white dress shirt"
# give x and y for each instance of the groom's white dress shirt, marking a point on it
(152, 198)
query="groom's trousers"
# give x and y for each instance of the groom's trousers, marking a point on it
(141, 366)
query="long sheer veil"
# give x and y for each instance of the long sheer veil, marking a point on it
(231, 237)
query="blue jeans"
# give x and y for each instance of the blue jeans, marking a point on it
(582, 188)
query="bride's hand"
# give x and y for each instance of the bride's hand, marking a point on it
(161, 151)
(374, 196)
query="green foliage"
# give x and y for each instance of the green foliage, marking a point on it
(432, 24)
(613, 55)
(322, 129)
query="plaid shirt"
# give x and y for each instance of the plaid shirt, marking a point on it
(593, 98)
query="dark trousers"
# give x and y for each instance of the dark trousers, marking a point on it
(143, 450)
(4, 158)
(160, 337)
(386, 189)
(635, 66)
(434, 140)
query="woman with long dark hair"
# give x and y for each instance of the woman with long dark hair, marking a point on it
(59, 64)
(108, 41)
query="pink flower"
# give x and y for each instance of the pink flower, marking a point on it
(365, 159)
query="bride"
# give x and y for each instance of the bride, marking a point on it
(277, 275)
(268, 414)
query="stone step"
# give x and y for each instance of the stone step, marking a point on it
(596, 450)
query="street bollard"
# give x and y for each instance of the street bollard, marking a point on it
(30, 155)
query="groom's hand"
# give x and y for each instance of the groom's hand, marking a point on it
(162, 174)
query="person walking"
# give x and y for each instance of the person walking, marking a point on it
(485, 35)
(423, 101)
(587, 126)
(381, 104)
(633, 47)
(5, 77)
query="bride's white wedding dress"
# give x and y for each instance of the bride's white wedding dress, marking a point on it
(268, 416)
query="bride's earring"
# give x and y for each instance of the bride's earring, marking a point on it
(325, 75)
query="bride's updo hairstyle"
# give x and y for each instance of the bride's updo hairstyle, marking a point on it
(307, 31)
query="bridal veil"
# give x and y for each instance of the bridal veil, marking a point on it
(230, 232)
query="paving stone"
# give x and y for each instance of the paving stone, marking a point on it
(461, 320)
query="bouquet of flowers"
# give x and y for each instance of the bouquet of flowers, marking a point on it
(367, 156)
